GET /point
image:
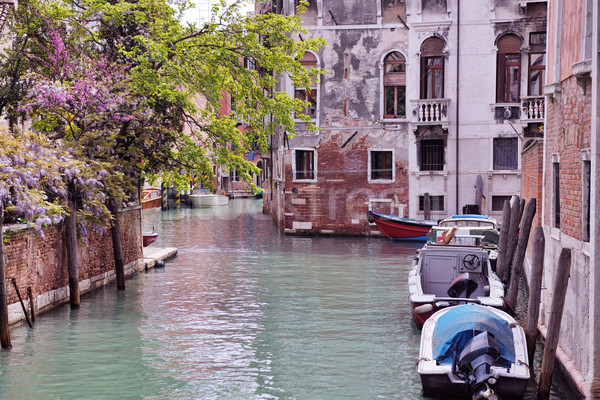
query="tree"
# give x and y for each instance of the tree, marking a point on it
(35, 181)
(118, 80)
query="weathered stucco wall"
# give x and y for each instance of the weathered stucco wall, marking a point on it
(40, 262)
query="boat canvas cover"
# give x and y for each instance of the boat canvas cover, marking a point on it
(461, 323)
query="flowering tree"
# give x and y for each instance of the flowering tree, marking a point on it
(36, 180)
(118, 80)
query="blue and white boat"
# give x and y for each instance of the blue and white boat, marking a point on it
(473, 352)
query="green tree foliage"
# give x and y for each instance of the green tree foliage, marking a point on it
(126, 82)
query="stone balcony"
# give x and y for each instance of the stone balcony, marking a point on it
(532, 109)
(430, 112)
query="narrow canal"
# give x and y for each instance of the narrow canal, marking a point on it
(243, 312)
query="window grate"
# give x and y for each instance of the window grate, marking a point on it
(431, 154)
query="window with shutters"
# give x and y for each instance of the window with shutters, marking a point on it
(508, 69)
(394, 83)
(309, 97)
(432, 69)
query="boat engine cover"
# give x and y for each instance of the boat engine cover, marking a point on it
(476, 358)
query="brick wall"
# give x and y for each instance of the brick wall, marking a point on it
(532, 162)
(338, 201)
(567, 133)
(41, 262)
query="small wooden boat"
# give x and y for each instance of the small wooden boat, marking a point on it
(201, 198)
(473, 352)
(398, 228)
(447, 275)
(151, 197)
(149, 237)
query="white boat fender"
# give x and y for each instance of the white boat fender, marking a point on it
(424, 308)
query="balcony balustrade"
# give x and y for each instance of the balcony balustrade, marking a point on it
(532, 109)
(430, 111)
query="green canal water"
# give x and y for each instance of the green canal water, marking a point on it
(242, 312)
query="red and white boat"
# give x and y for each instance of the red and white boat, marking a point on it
(398, 228)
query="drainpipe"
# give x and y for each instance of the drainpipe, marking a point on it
(457, 94)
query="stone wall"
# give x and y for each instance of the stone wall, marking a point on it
(40, 262)
(568, 138)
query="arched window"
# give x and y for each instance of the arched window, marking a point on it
(432, 69)
(394, 83)
(509, 75)
(309, 61)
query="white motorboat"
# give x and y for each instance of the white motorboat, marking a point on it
(473, 352)
(447, 275)
(201, 198)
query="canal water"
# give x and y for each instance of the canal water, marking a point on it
(243, 312)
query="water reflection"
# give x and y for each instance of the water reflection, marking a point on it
(242, 312)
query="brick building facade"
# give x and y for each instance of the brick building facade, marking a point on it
(418, 97)
(569, 182)
(41, 262)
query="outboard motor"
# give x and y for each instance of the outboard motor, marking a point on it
(475, 362)
(463, 283)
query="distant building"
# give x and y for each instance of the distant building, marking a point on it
(420, 97)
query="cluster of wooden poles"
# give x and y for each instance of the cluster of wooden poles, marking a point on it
(509, 268)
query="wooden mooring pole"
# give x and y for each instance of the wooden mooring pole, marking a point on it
(500, 264)
(515, 217)
(517, 264)
(561, 280)
(31, 303)
(426, 207)
(535, 290)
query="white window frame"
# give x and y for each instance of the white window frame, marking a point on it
(317, 118)
(382, 88)
(315, 155)
(386, 181)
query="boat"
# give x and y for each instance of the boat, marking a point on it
(202, 197)
(469, 220)
(149, 237)
(470, 230)
(473, 352)
(398, 228)
(444, 275)
(151, 197)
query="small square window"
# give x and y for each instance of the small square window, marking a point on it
(381, 165)
(305, 164)
(506, 154)
(437, 203)
(498, 202)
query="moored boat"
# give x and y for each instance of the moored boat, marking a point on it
(149, 237)
(447, 275)
(473, 352)
(201, 198)
(151, 197)
(398, 228)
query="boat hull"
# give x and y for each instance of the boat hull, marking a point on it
(397, 228)
(209, 200)
(440, 385)
(149, 238)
